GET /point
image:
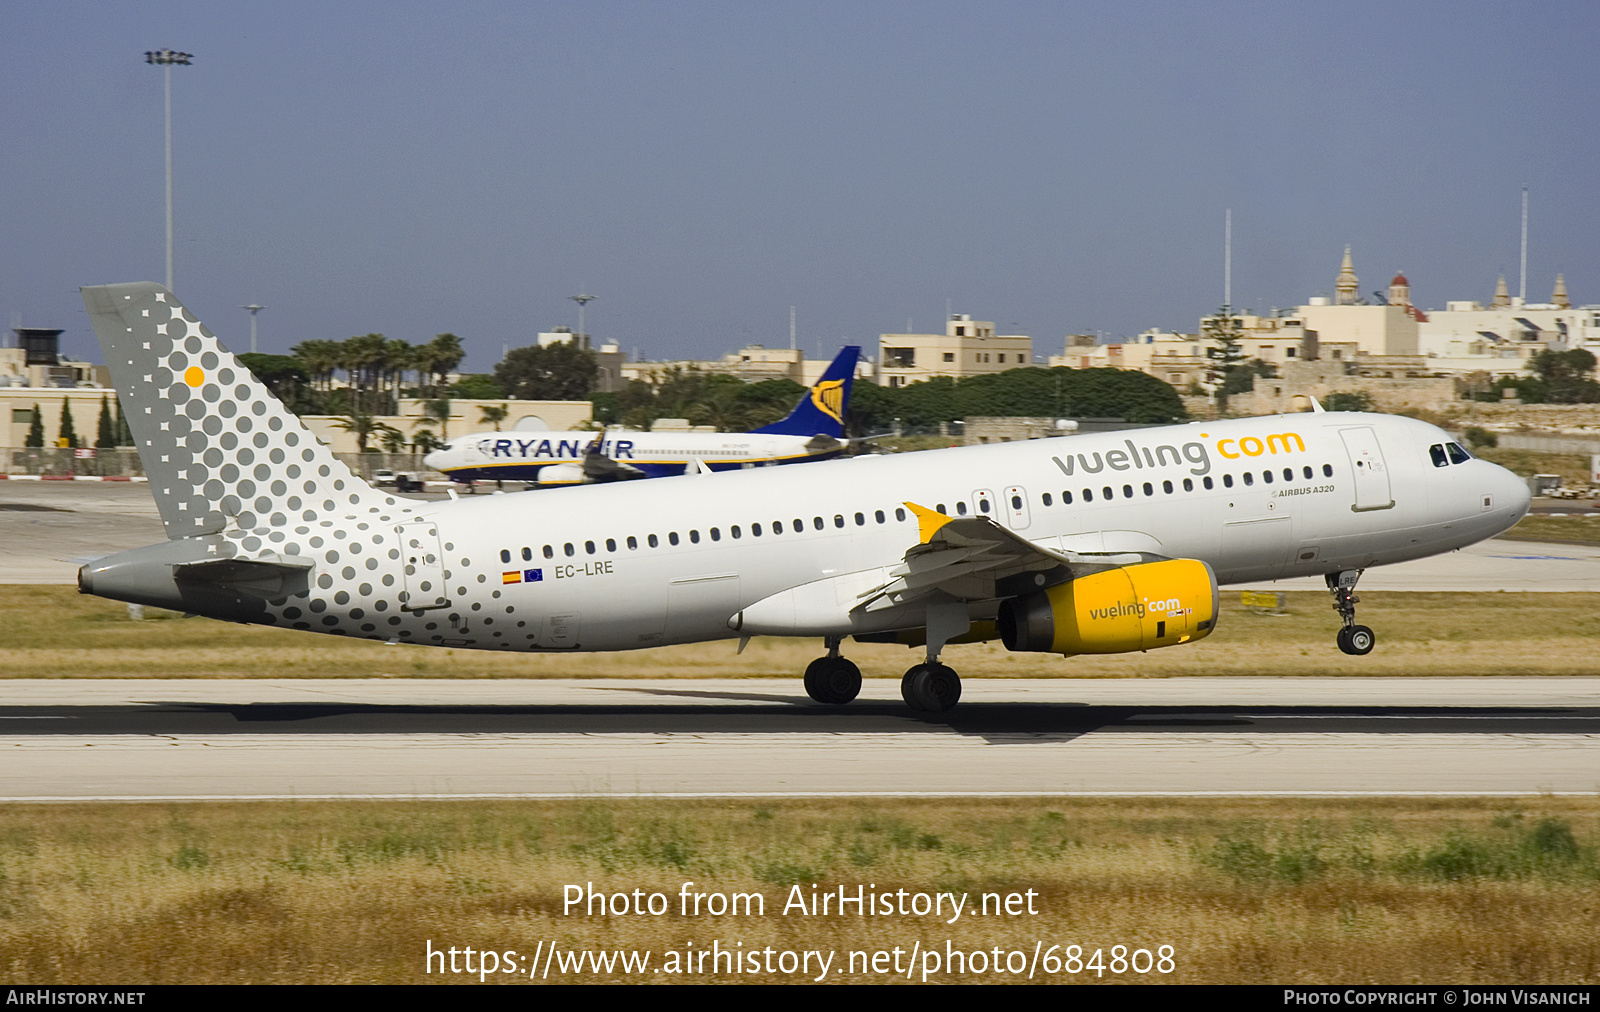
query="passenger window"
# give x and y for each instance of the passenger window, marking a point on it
(633, 543)
(734, 530)
(1148, 490)
(1266, 476)
(588, 546)
(569, 549)
(1458, 453)
(1327, 470)
(655, 542)
(1016, 502)
(611, 544)
(755, 530)
(943, 510)
(983, 506)
(777, 527)
(549, 552)
(899, 513)
(961, 509)
(799, 525)
(1249, 479)
(1045, 498)
(716, 534)
(527, 554)
(1188, 484)
(1105, 493)
(1288, 474)
(1308, 473)
(505, 555)
(694, 537)
(1166, 487)
(861, 521)
(838, 520)
(816, 522)
(1127, 491)
(1088, 495)
(1227, 481)
(1066, 498)
(1436, 451)
(672, 537)
(1208, 482)
(878, 516)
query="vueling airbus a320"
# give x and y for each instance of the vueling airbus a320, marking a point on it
(1078, 545)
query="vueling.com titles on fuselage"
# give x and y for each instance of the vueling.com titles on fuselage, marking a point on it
(1196, 453)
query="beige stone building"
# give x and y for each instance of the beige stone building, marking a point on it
(968, 347)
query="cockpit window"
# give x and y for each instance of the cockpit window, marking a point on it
(1436, 451)
(1458, 453)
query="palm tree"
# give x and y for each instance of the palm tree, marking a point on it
(445, 353)
(491, 415)
(438, 410)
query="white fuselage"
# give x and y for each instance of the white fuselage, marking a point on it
(640, 564)
(521, 456)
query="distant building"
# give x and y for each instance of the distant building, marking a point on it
(967, 347)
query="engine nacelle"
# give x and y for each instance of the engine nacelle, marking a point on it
(1153, 604)
(563, 474)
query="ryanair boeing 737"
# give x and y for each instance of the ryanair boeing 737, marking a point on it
(1079, 545)
(812, 431)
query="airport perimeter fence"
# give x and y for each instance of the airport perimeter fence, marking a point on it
(123, 462)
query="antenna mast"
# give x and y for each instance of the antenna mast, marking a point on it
(1522, 288)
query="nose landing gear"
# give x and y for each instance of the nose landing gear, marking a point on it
(1352, 639)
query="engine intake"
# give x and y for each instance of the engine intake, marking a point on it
(1153, 604)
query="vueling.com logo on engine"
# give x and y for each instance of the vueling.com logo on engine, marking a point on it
(1169, 607)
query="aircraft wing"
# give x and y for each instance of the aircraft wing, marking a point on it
(975, 559)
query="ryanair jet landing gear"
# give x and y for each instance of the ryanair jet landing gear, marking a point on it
(931, 687)
(1352, 639)
(832, 679)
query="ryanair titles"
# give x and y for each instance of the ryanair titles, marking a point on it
(1139, 457)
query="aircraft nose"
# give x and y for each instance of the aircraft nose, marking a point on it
(1514, 493)
(433, 459)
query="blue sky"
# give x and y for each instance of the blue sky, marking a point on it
(701, 167)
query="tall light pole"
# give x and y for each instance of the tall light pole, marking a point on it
(254, 309)
(165, 58)
(582, 301)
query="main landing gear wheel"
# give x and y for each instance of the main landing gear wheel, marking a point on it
(931, 688)
(833, 680)
(1357, 640)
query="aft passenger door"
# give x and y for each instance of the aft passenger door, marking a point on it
(1366, 463)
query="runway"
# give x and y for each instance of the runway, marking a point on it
(160, 740)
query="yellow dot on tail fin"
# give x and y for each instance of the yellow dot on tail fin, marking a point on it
(194, 375)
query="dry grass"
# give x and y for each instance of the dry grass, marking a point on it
(69, 635)
(1573, 467)
(1245, 891)
(1582, 530)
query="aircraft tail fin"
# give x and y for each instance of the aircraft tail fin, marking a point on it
(821, 411)
(221, 452)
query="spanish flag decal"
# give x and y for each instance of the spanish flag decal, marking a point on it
(513, 577)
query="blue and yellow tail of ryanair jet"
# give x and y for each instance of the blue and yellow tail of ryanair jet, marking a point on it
(822, 412)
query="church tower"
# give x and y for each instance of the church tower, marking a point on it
(1559, 296)
(1400, 291)
(1347, 287)
(1502, 298)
